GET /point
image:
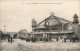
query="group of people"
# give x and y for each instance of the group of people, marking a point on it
(72, 39)
(63, 39)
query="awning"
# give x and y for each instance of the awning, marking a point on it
(60, 32)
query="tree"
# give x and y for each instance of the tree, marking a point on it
(23, 33)
(1, 33)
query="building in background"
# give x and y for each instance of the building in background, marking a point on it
(12, 34)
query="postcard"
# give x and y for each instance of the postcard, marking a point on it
(39, 25)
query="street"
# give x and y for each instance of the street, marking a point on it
(21, 45)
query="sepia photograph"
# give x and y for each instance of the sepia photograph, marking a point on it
(39, 25)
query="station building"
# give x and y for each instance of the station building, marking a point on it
(54, 27)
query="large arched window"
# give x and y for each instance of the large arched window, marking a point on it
(67, 26)
(54, 24)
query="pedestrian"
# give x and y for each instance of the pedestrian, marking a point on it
(62, 39)
(8, 39)
(11, 39)
(59, 39)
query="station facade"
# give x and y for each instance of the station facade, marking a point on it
(54, 27)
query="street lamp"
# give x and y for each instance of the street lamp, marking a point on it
(4, 28)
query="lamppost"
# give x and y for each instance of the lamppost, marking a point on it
(5, 29)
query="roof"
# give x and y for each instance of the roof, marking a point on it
(12, 32)
(75, 16)
(61, 19)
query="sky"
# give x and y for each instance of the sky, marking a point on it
(18, 14)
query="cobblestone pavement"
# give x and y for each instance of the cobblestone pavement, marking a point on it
(21, 45)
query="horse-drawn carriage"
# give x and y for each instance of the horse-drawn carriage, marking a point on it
(6, 36)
